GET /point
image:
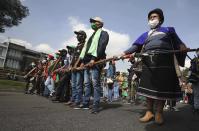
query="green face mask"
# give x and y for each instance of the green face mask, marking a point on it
(57, 56)
(93, 26)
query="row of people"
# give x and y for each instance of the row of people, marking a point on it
(83, 54)
(160, 76)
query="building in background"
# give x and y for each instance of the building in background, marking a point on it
(3, 52)
(15, 56)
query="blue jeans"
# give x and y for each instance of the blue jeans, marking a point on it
(77, 85)
(116, 90)
(93, 75)
(46, 91)
(63, 90)
(110, 95)
(49, 84)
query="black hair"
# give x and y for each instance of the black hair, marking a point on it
(159, 12)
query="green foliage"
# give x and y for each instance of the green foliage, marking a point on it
(11, 13)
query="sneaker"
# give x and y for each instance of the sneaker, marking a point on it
(55, 99)
(32, 93)
(77, 107)
(174, 109)
(126, 102)
(109, 102)
(69, 103)
(73, 105)
(85, 107)
(94, 111)
(167, 107)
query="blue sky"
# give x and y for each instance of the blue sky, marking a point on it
(51, 23)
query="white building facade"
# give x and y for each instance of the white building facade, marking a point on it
(3, 53)
(16, 57)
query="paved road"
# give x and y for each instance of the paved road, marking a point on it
(20, 112)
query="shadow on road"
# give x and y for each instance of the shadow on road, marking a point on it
(106, 106)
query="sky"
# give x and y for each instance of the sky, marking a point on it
(51, 23)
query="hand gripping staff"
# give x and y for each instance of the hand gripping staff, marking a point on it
(31, 71)
(115, 58)
(166, 52)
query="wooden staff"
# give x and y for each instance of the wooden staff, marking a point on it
(166, 52)
(54, 65)
(95, 63)
(30, 72)
(103, 61)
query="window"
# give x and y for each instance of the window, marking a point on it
(1, 51)
(8, 63)
(10, 52)
(1, 62)
(11, 63)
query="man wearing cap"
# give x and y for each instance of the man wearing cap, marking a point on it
(93, 51)
(62, 92)
(77, 76)
(159, 81)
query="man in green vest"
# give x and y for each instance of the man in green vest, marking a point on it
(94, 50)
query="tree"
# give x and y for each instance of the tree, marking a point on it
(11, 13)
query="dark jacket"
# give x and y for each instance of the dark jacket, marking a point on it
(76, 53)
(194, 77)
(101, 54)
(171, 38)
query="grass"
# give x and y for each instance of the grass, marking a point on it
(12, 85)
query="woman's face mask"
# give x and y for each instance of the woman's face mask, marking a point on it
(153, 23)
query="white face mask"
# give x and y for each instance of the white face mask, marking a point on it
(32, 64)
(43, 61)
(65, 62)
(153, 23)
